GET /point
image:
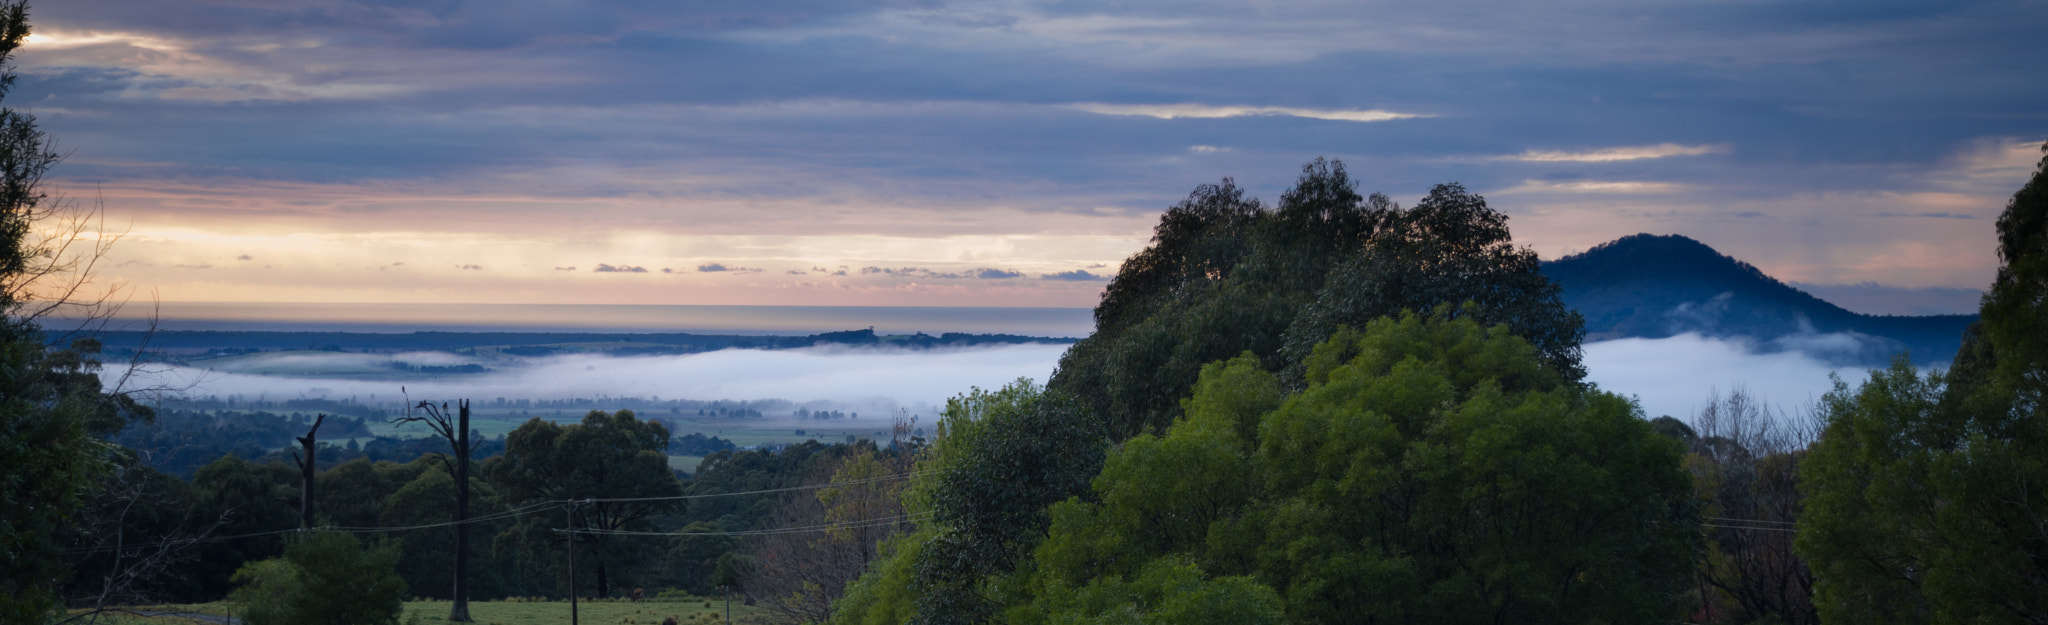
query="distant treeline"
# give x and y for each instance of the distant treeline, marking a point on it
(179, 442)
(396, 483)
(527, 343)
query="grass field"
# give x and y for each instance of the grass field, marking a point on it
(692, 611)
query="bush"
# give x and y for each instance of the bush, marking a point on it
(327, 578)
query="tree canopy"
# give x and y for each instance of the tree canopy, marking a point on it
(1928, 492)
(1224, 276)
(1432, 471)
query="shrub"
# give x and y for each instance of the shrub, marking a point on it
(326, 578)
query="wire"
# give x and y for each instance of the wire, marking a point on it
(863, 523)
(756, 492)
(1723, 518)
(515, 512)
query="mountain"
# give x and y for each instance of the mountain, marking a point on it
(1649, 286)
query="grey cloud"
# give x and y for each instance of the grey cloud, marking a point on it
(242, 257)
(1930, 215)
(710, 268)
(1077, 275)
(565, 269)
(996, 274)
(604, 268)
(470, 267)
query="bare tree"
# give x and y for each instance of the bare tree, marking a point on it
(1745, 461)
(455, 429)
(126, 556)
(826, 539)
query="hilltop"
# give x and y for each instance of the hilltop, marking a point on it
(1652, 286)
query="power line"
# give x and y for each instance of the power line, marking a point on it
(515, 512)
(862, 523)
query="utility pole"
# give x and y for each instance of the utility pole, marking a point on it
(570, 517)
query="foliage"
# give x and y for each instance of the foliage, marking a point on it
(1433, 471)
(1224, 276)
(797, 575)
(1450, 248)
(1928, 493)
(607, 456)
(325, 578)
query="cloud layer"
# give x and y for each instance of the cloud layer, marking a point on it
(1832, 144)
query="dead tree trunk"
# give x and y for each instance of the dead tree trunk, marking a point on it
(455, 429)
(459, 613)
(307, 466)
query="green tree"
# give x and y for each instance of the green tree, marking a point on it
(1927, 494)
(326, 578)
(1432, 471)
(53, 415)
(1450, 248)
(607, 456)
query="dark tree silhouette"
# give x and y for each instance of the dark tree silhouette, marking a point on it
(454, 428)
(307, 465)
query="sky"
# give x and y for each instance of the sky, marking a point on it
(1003, 153)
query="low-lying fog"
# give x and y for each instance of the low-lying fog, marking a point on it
(1670, 376)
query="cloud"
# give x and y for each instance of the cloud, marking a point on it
(1609, 155)
(604, 268)
(186, 266)
(243, 257)
(1206, 149)
(1595, 186)
(565, 269)
(1077, 275)
(720, 267)
(1675, 376)
(1203, 111)
(470, 267)
(1932, 215)
(996, 274)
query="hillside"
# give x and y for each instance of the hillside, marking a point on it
(1652, 286)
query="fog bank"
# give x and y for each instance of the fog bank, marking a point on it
(911, 378)
(1674, 376)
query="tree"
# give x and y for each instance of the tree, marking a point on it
(53, 415)
(1450, 248)
(798, 575)
(1928, 493)
(1224, 275)
(607, 457)
(1744, 458)
(326, 578)
(455, 429)
(1432, 471)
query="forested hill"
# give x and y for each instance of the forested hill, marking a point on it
(1652, 286)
